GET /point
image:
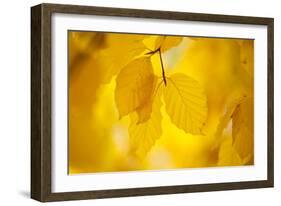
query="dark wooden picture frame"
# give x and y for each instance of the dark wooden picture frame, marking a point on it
(41, 115)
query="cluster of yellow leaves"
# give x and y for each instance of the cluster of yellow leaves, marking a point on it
(137, 90)
(201, 101)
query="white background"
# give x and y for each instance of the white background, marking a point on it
(15, 102)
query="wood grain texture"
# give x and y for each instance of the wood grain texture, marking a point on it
(36, 171)
(270, 102)
(41, 175)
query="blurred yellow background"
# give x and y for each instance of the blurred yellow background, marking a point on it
(103, 139)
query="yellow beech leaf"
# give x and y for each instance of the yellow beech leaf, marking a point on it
(228, 156)
(247, 56)
(143, 135)
(225, 119)
(144, 111)
(118, 53)
(243, 130)
(186, 103)
(159, 41)
(134, 85)
(167, 42)
(237, 150)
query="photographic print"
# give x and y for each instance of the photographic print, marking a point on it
(151, 102)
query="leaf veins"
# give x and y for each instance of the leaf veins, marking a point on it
(186, 103)
(144, 135)
(134, 85)
(243, 129)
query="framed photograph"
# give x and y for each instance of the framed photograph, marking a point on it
(132, 102)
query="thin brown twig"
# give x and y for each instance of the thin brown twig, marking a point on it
(162, 67)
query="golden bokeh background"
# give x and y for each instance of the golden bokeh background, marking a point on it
(99, 140)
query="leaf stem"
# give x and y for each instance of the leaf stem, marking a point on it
(162, 66)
